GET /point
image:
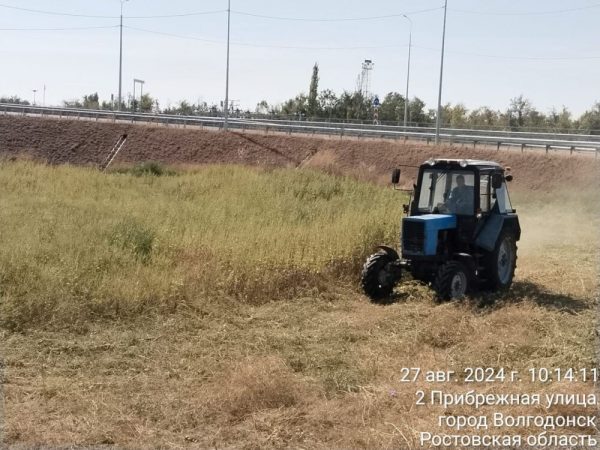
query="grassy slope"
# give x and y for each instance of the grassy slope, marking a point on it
(242, 325)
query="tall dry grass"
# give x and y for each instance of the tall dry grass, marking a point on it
(79, 245)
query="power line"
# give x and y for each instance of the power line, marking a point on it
(245, 44)
(90, 16)
(59, 29)
(531, 13)
(302, 19)
(344, 19)
(192, 38)
(522, 58)
(166, 16)
(201, 13)
(52, 13)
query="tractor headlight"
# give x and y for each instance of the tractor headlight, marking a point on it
(463, 163)
(430, 161)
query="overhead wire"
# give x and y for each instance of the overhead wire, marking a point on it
(525, 13)
(360, 47)
(523, 58)
(304, 19)
(60, 29)
(93, 16)
(54, 13)
(342, 19)
(301, 19)
(246, 44)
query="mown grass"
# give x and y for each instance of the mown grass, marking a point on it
(79, 245)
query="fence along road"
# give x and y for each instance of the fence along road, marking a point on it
(547, 141)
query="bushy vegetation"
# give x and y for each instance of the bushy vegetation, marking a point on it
(80, 245)
(149, 168)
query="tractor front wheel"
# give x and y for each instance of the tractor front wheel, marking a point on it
(378, 277)
(452, 281)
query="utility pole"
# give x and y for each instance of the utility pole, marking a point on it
(44, 98)
(407, 72)
(121, 56)
(438, 122)
(34, 91)
(226, 105)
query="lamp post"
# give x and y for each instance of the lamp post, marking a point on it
(438, 121)
(407, 71)
(121, 56)
(34, 91)
(226, 105)
(141, 83)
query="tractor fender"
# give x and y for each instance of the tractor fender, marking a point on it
(468, 260)
(488, 234)
(390, 251)
(493, 226)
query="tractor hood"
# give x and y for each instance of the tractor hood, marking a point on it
(420, 233)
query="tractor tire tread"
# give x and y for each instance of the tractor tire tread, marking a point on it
(442, 283)
(370, 276)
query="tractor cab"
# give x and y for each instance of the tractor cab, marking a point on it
(464, 188)
(460, 232)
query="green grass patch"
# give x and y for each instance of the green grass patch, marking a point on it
(79, 245)
(148, 168)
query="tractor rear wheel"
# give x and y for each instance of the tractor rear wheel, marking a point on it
(501, 263)
(378, 279)
(452, 281)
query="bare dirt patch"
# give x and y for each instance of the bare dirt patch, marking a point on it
(85, 142)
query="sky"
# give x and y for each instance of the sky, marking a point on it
(548, 50)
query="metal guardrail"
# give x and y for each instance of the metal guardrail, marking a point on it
(547, 141)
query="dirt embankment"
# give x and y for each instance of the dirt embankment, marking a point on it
(83, 142)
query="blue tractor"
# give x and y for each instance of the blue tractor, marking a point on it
(460, 232)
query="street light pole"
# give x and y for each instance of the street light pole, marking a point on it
(141, 83)
(121, 56)
(226, 106)
(407, 71)
(34, 91)
(438, 122)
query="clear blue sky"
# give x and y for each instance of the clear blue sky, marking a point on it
(496, 50)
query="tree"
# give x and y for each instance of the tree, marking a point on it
(313, 104)
(590, 120)
(262, 107)
(455, 116)
(484, 117)
(328, 102)
(146, 103)
(392, 108)
(91, 101)
(183, 108)
(72, 104)
(519, 109)
(296, 106)
(560, 121)
(416, 112)
(353, 106)
(15, 100)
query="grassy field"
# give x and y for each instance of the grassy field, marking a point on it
(220, 307)
(79, 245)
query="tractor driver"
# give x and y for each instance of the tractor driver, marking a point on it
(461, 197)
